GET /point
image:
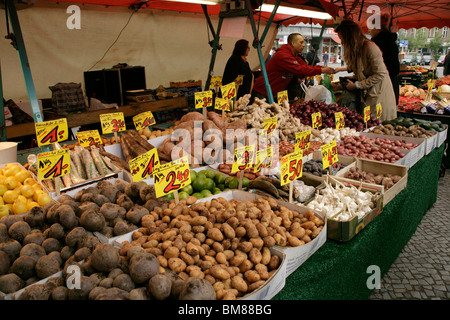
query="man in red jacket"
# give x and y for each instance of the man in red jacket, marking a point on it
(284, 65)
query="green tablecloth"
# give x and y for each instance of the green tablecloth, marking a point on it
(340, 270)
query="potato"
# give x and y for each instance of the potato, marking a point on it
(197, 289)
(123, 281)
(24, 267)
(139, 294)
(113, 294)
(176, 264)
(219, 273)
(10, 283)
(239, 284)
(160, 286)
(105, 257)
(46, 266)
(93, 294)
(143, 266)
(19, 230)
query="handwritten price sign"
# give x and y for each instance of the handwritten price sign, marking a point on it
(291, 167)
(143, 165)
(239, 80)
(89, 138)
(112, 122)
(53, 164)
(430, 85)
(339, 119)
(379, 110)
(329, 154)
(228, 91)
(269, 125)
(144, 120)
(203, 99)
(49, 132)
(216, 81)
(366, 114)
(316, 119)
(302, 140)
(281, 96)
(263, 159)
(171, 177)
(221, 104)
(243, 158)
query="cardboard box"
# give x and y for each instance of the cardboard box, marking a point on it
(442, 136)
(377, 167)
(343, 231)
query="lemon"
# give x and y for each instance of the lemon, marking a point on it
(21, 198)
(36, 187)
(22, 175)
(32, 204)
(43, 199)
(26, 190)
(19, 207)
(2, 172)
(12, 170)
(1, 201)
(3, 189)
(36, 194)
(29, 181)
(10, 196)
(2, 179)
(11, 182)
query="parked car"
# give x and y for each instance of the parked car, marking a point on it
(427, 59)
(441, 60)
(409, 60)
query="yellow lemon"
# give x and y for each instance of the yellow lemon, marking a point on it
(22, 175)
(29, 181)
(2, 172)
(1, 201)
(11, 182)
(43, 199)
(36, 187)
(19, 207)
(12, 170)
(37, 194)
(3, 189)
(32, 204)
(10, 196)
(26, 190)
(4, 210)
(2, 179)
(21, 198)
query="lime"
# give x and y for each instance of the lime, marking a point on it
(216, 191)
(228, 180)
(206, 193)
(201, 175)
(209, 184)
(234, 184)
(221, 186)
(197, 195)
(199, 184)
(188, 189)
(203, 172)
(183, 195)
(210, 174)
(245, 182)
(219, 178)
(169, 196)
(193, 175)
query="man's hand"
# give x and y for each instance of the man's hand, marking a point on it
(328, 70)
(351, 85)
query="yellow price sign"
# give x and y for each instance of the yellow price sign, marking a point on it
(379, 110)
(329, 154)
(143, 165)
(339, 119)
(291, 167)
(263, 159)
(216, 81)
(89, 138)
(302, 140)
(53, 164)
(221, 104)
(239, 80)
(203, 99)
(53, 131)
(316, 119)
(366, 114)
(112, 122)
(228, 91)
(269, 125)
(430, 85)
(243, 158)
(144, 120)
(171, 177)
(282, 95)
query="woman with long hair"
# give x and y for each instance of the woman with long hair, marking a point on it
(365, 60)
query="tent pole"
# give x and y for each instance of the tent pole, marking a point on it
(257, 45)
(272, 16)
(20, 46)
(215, 45)
(2, 111)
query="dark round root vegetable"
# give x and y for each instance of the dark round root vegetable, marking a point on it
(106, 283)
(136, 213)
(34, 237)
(51, 244)
(11, 248)
(60, 293)
(75, 236)
(33, 250)
(139, 294)
(67, 216)
(197, 289)
(89, 242)
(86, 284)
(132, 190)
(92, 220)
(110, 211)
(67, 252)
(4, 262)
(177, 286)
(52, 215)
(123, 281)
(113, 294)
(10, 283)
(9, 220)
(3, 233)
(95, 292)
(124, 201)
(105, 257)
(19, 230)
(24, 267)
(160, 286)
(46, 266)
(35, 217)
(143, 266)
(108, 190)
(88, 206)
(39, 291)
(82, 254)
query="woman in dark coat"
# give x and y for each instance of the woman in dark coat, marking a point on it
(237, 65)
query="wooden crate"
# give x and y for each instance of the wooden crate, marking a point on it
(185, 84)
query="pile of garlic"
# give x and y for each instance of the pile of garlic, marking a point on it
(329, 134)
(343, 203)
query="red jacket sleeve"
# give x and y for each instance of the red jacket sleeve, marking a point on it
(297, 66)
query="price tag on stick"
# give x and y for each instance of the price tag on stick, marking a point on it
(243, 159)
(329, 154)
(53, 164)
(379, 110)
(302, 140)
(263, 159)
(269, 125)
(339, 119)
(53, 131)
(171, 177)
(282, 95)
(143, 165)
(316, 119)
(228, 91)
(89, 138)
(112, 123)
(144, 120)
(291, 169)
(216, 81)
(366, 115)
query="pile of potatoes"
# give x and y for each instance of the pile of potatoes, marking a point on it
(147, 134)
(224, 242)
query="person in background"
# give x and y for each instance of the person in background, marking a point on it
(312, 54)
(386, 41)
(325, 58)
(285, 65)
(238, 65)
(447, 64)
(363, 57)
(271, 53)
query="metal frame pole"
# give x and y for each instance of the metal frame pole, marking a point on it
(2, 110)
(215, 45)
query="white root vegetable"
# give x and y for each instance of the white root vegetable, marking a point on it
(75, 157)
(102, 168)
(88, 162)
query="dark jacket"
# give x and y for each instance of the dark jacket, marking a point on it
(235, 67)
(447, 65)
(309, 58)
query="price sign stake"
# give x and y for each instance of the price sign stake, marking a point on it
(143, 165)
(302, 140)
(53, 131)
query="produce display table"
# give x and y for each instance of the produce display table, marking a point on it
(339, 271)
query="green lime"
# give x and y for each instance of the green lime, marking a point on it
(199, 184)
(193, 175)
(216, 191)
(219, 178)
(183, 195)
(209, 184)
(198, 195)
(226, 189)
(210, 174)
(234, 184)
(221, 186)
(206, 193)
(201, 175)
(169, 196)
(228, 180)
(203, 172)
(188, 189)
(245, 182)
